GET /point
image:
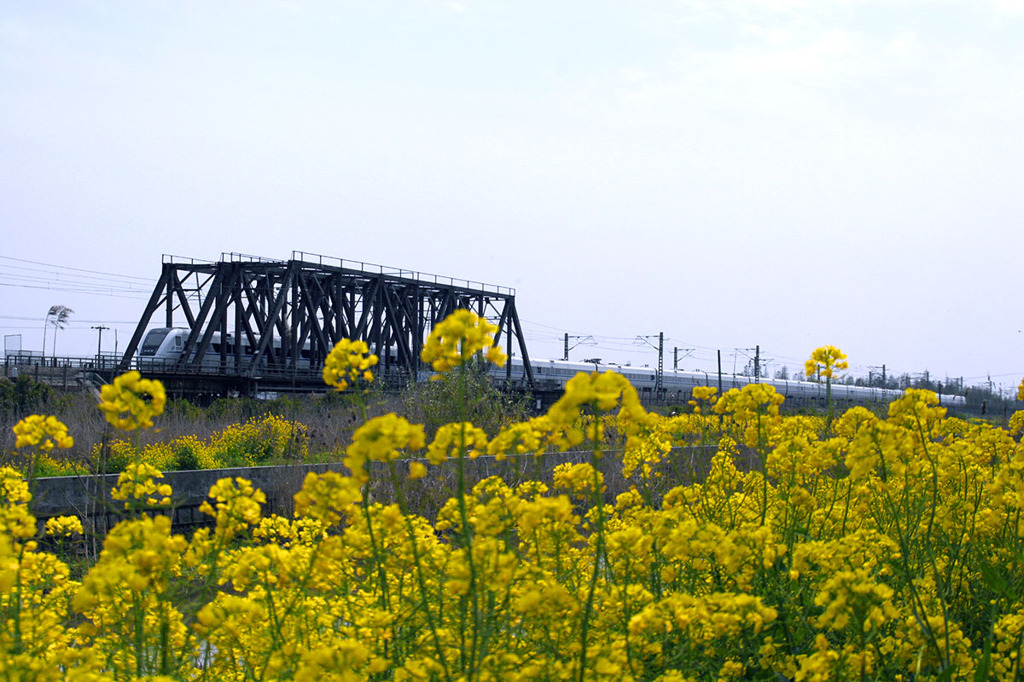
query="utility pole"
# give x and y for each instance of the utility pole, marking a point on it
(661, 360)
(675, 355)
(661, 356)
(745, 351)
(99, 342)
(757, 364)
(587, 340)
(719, 371)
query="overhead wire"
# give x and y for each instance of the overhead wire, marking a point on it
(68, 267)
(31, 274)
(28, 274)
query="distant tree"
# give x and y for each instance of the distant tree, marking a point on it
(986, 399)
(925, 381)
(783, 373)
(58, 317)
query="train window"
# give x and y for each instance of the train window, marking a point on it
(153, 340)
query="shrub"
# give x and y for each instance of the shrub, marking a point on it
(24, 396)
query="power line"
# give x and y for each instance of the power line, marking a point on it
(140, 295)
(87, 280)
(67, 267)
(19, 273)
(36, 319)
(71, 282)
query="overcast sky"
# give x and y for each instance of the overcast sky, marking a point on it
(731, 173)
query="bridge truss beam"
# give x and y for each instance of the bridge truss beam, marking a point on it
(282, 315)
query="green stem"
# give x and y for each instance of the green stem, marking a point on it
(420, 577)
(828, 399)
(599, 551)
(467, 534)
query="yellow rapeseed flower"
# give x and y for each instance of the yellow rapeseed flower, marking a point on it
(455, 440)
(380, 440)
(706, 393)
(519, 438)
(14, 490)
(326, 497)
(137, 484)
(64, 526)
(347, 362)
(44, 433)
(138, 556)
(917, 406)
(236, 505)
(131, 402)
(644, 453)
(580, 479)
(602, 393)
(459, 337)
(417, 470)
(827, 359)
(751, 400)
(1016, 424)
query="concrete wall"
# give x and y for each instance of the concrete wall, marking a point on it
(88, 497)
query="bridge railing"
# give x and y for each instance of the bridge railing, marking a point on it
(373, 268)
(25, 359)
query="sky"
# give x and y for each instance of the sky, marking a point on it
(732, 174)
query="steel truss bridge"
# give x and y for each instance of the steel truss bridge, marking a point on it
(282, 318)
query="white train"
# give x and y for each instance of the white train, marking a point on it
(677, 385)
(162, 347)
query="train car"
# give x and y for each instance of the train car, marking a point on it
(677, 385)
(162, 348)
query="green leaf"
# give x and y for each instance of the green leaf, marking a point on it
(994, 578)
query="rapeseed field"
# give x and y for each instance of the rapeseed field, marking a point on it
(859, 547)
